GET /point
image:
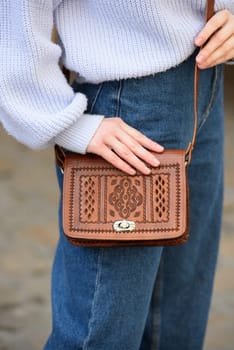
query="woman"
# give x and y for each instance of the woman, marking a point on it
(133, 93)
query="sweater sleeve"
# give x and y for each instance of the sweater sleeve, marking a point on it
(37, 105)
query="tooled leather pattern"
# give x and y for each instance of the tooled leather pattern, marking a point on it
(89, 206)
(160, 198)
(170, 242)
(125, 197)
(125, 200)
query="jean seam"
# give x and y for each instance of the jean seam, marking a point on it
(118, 96)
(95, 295)
(95, 98)
(205, 115)
(156, 317)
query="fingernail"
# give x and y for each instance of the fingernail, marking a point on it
(132, 172)
(156, 162)
(199, 58)
(198, 40)
(147, 171)
(161, 148)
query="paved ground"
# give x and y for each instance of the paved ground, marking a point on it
(28, 206)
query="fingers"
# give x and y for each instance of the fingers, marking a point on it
(143, 140)
(218, 56)
(215, 23)
(136, 155)
(125, 153)
(124, 147)
(138, 149)
(113, 158)
(218, 40)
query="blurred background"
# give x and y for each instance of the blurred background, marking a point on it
(28, 228)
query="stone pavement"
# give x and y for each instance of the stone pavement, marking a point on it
(28, 215)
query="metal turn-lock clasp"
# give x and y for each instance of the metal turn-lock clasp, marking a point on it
(124, 225)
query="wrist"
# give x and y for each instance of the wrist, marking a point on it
(77, 137)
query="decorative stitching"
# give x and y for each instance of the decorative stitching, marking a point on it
(178, 204)
(105, 202)
(72, 190)
(151, 202)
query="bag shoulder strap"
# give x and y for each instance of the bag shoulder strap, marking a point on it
(209, 9)
(209, 14)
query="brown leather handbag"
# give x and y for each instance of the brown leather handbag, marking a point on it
(104, 207)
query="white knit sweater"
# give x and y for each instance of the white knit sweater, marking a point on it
(100, 39)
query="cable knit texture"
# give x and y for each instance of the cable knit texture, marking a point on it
(99, 39)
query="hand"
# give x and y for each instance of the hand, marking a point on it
(124, 147)
(218, 39)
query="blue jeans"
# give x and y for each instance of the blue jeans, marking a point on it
(148, 298)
